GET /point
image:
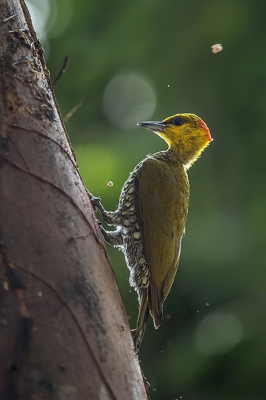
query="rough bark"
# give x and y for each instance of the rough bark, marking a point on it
(63, 329)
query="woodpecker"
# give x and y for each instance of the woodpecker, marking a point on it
(152, 211)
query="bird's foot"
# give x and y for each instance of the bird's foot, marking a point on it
(95, 201)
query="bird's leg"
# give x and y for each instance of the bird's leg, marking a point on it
(111, 217)
(97, 205)
(112, 237)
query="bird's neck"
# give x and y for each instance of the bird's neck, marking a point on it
(170, 156)
(186, 153)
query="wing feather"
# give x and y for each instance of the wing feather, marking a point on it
(161, 209)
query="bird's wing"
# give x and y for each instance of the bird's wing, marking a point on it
(161, 211)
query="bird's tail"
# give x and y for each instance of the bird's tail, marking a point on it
(138, 333)
(155, 305)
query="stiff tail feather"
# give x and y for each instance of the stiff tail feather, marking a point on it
(156, 305)
(138, 333)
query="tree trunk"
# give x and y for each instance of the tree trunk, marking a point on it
(63, 328)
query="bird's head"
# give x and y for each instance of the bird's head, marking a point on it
(186, 134)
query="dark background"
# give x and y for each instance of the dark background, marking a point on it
(145, 60)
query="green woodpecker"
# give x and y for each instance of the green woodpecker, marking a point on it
(152, 212)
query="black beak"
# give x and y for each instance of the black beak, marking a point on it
(153, 125)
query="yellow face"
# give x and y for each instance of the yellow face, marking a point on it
(185, 126)
(186, 134)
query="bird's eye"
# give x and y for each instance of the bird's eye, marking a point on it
(178, 121)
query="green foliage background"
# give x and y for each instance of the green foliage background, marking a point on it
(212, 343)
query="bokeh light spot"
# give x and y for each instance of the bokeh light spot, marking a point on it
(61, 15)
(218, 333)
(128, 99)
(40, 12)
